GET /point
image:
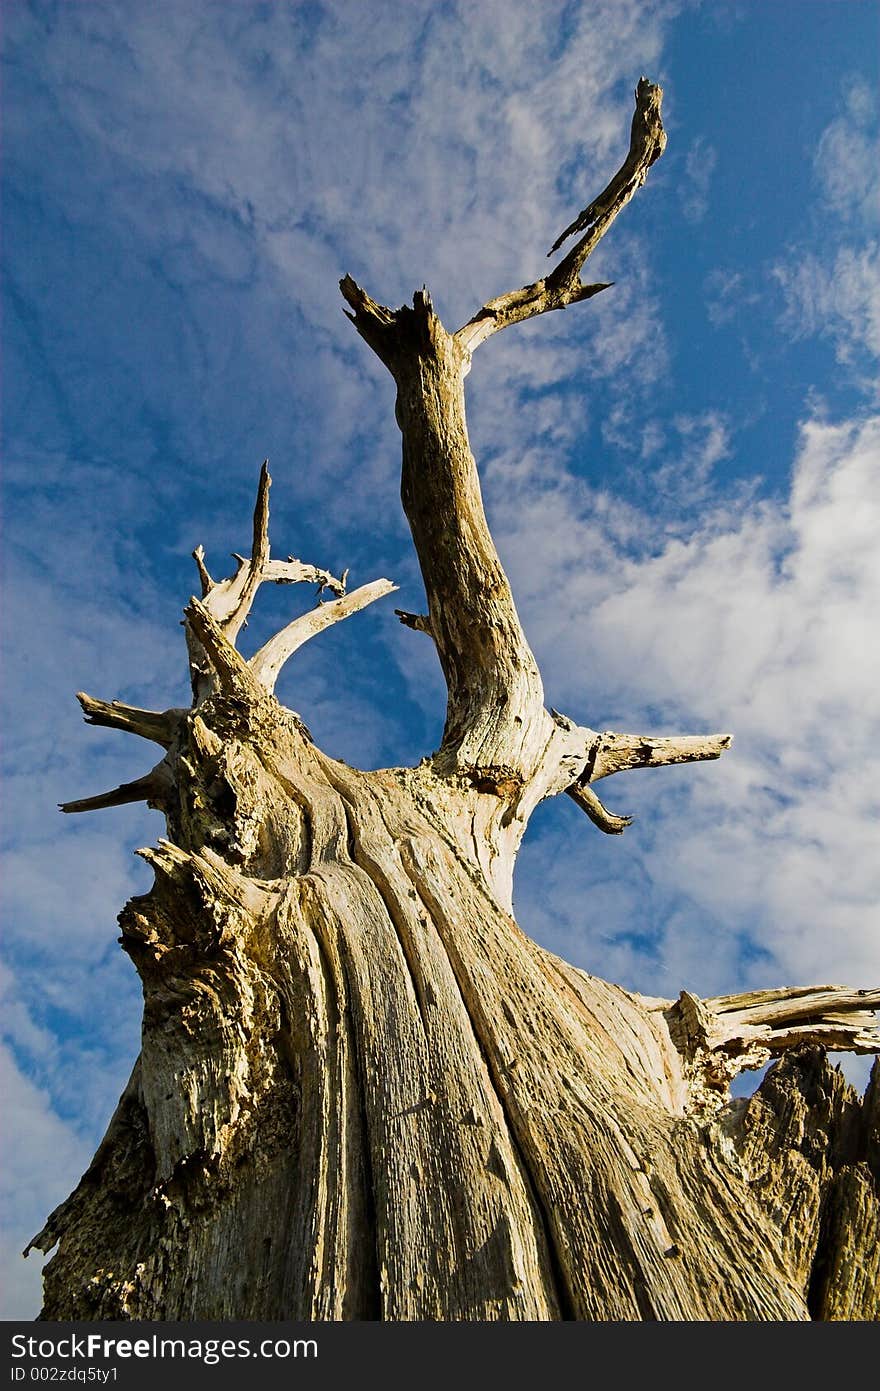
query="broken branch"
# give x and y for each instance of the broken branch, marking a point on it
(160, 727)
(615, 753)
(419, 622)
(646, 144)
(252, 573)
(607, 821)
(230, 668)
(229, 601)
(198, 556)
(721, 1037)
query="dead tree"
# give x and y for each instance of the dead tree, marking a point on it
(363, 1091)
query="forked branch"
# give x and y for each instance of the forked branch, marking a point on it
(214, 621)
(609, 753)
(495, 702)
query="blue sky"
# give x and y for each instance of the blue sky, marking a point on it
(681, 475)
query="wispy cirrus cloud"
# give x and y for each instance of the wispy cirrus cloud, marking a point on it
(835, 292)
(848, 157)
(39, 1152)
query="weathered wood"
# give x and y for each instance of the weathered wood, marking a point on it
(721, 1037)
(617, 752)
(154, 787)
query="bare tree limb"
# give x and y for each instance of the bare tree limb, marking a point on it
(494, 693)
(781, 1012)
(495, 702)
(517, 305)
(267, 663)
(584, 756)
(586, 799)
(228, 666)
(229, 601)
(616, 753)
(563, 286)
(721, 1037)
(293, 571)
(252, 573)
(646, 144)
(198, 556)
(160, 727)
(154, 787)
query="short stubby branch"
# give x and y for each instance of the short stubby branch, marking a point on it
(266, 664)
(419, 622)
(153, 788)
(563, 286)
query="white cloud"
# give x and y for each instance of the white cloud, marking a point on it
(480, 102)
(761, 621)
(684, 454)
(728, 293)
(835, 293)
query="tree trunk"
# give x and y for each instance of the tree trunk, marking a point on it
(363, 1092)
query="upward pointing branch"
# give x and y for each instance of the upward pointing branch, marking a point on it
(214, 622)
(495, 713)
